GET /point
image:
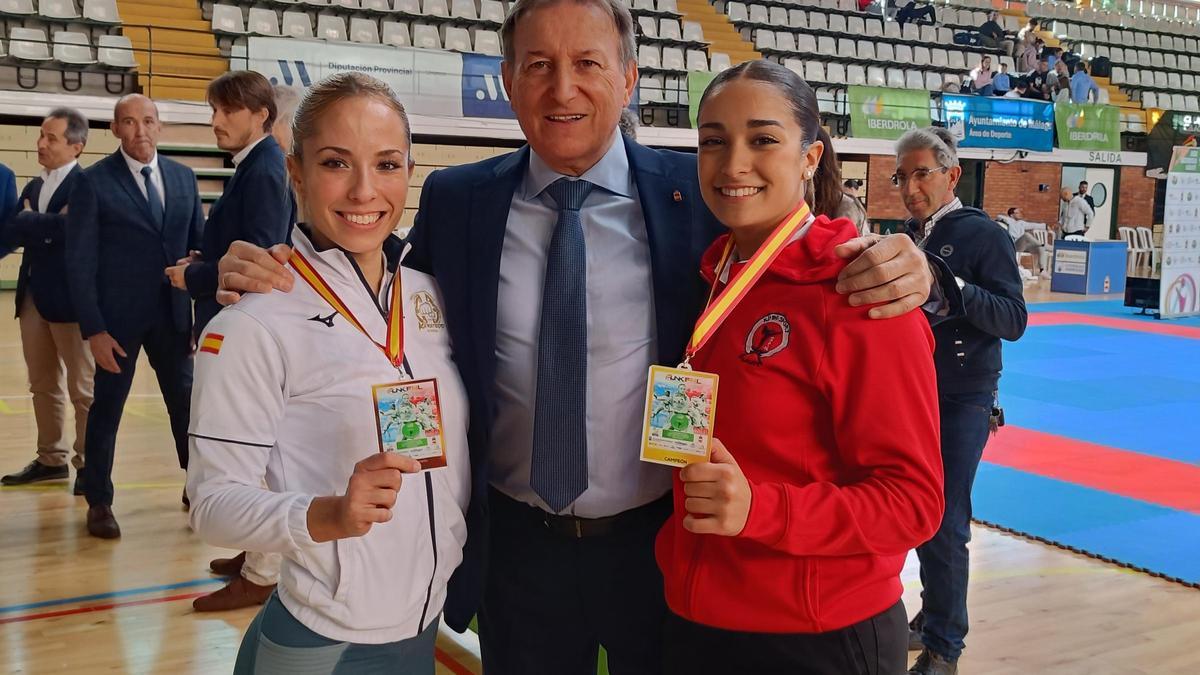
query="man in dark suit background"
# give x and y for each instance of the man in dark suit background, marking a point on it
(50, 337)
(8, 192)
(256, 205)
(563, 516)
(132, 215)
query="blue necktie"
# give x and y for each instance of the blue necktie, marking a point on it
(559, 471)
(156, 206)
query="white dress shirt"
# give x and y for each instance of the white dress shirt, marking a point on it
(622, 341)
(135, 168)
(1076, 216)
(245, 152)
(51, 180)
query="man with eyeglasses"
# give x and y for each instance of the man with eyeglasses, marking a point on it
(981, 256)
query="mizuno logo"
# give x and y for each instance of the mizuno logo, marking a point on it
(327, 320)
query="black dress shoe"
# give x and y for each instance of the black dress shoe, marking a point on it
(228, 567)
(36, 472)
(102, 523)
(929, 663)
(78, 489)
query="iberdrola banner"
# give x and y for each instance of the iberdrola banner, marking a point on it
(1083, 126)
(879, 112)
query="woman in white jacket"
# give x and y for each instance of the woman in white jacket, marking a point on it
(283, 394)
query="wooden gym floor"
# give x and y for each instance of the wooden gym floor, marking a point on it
(70, 603)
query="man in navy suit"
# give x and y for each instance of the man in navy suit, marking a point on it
(8, 192)
(132, 214)
(567, 268)
(50, 337)
(256, 205)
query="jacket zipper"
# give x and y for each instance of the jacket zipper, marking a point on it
(407, 370)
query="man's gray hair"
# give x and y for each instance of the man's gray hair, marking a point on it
(77, 124)
(937, 139)
(622, 21)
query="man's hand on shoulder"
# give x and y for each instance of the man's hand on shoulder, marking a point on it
(889, 271)
(247, 268)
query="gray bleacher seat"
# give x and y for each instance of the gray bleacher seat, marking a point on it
(296, 25)
(885, 52)
(669, 29)
(891, 30)
(28, 44)
(777, 16)
(794, 65)
(426, 36)
(914, 79)
(377, 5)
(650, 89)
(455, 39)
(933, 81)
(1118, 75)
(668, 6)
(649, 26)
(101, 11)
(835, 73)
(856, 74)
(797, 18)
(951, 80)
(17, 7)
(806, 43)
(855, 25)
(364, 31)
(487, 42)
(58, 9)
(904, 54)
(331, 27)
(693, 31)
(1191, 103)
(814, 71)
(736, 11)
(818, 21)
(949, 16)
(649, 56)
(73, 48)
(435, 8)
(1160, 79)
(895, 78)
(115, 51)
(759, 14)
(345, 4)
(645, 5)
(395, 33)
(957, 60)
(1174, 81)
(227, 19)
(1178, 102)
(939, 58)
(911, 32)
(262, 22)
(866, 50)
(697, 60)
(846, 49)
(1189, 82)
(928, 34)
(719, 61)
(921, 56)
(672, 59)
(463, 9)
(785, 41)
(826, 45)
(1156, 59)
(491, 10)
(874, 28)
(407, 7)
(764, 39)
(876, 76)
(837, 23)
(945, 36)
(1149, 99)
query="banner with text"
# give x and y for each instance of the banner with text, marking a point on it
(1179, 290)
(879, 112)
(994, 122)
(1087, 127)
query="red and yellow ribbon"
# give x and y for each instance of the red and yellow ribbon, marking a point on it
(716, 311)
(394, 349)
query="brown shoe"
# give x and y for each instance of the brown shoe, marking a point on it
(101, 522)
(228, 567)
(237, 594)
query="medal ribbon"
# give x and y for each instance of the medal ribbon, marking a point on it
(394, 349)
(715, 312)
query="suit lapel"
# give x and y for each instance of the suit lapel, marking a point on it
(34, 193)
(667, 209)
(125, 179)
(62, 193)
(491, 201)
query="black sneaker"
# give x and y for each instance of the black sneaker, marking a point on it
(36, 472)
(915, 628)
(929, 663)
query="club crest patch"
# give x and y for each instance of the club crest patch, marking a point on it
(425, 308)
(947, 251)
(769, 336)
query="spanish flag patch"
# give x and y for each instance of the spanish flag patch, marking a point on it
(212, 343)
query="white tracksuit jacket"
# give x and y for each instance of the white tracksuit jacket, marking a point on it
(287, 399)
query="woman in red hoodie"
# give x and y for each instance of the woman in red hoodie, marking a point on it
(784, 551)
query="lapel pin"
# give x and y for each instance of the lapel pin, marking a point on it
(677, 196)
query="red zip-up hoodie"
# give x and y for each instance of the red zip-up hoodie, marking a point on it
(833, 418)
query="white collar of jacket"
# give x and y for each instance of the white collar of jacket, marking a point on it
(337, 263)
(59, 173)
(245, 152)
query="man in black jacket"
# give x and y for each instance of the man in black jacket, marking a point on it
(982, 258)
(50, 337)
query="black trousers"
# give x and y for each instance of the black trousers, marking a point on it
(170, 354)
(552, 600)
(874, 646)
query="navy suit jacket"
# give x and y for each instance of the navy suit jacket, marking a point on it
(44, 263)
(8, 192)
(458, 237)
(117, 255)
(256, 206)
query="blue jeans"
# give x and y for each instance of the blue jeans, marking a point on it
(277, 644)
(944, 559)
